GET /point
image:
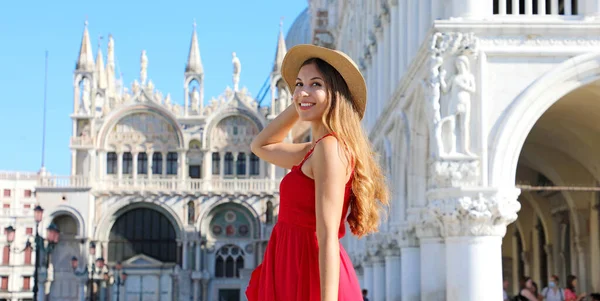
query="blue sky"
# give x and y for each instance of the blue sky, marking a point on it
(29, 28)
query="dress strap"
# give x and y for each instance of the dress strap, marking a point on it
(312, 149)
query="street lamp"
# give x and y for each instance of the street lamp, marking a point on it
(119, 278)
(93, 272)
(52, 237)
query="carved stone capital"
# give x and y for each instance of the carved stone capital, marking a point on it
(473, 212)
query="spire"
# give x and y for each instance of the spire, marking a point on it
(281, 49)
(101, 76)
(86, 58)
(194, 63)
(110, 66)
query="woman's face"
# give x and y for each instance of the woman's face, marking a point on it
(310, 94)
(529, 284)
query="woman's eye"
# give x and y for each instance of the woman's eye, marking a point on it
(298, 84)
(317, 84)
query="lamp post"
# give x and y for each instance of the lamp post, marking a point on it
(52, 233)
(92, 272)
(119, 278)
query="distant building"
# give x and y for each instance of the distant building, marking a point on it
(171, 191)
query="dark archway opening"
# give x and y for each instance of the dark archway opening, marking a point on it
(142, 231)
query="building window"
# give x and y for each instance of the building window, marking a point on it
(228, 164)
(142, 164)
(4, 283)
(241, 164)
(26, 283)
(157, 164)
(172, 163)
(254, 165)
(27, 193)
(111, 163)
(216, 164)
(6, 193)
(230, 259)
(127, 163)
(27, 255)
(5, 206)
(6, 255)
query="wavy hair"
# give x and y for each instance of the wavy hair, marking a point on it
(370, 194)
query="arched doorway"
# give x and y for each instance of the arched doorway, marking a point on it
(145, 241)
(548, 147)
(65, 285)
(231, 229)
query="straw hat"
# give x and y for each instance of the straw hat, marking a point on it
(298, 54)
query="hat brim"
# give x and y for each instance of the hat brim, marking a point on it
(349, 71)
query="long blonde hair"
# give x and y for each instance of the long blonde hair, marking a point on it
(370, 194)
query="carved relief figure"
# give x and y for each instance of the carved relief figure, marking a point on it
(457, 109)
(237, 69)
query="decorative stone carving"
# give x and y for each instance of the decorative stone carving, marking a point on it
(86, 103)
(237, 69)
(473, 213)
(143, 67)
(449, 100)
(195, 96)
(142, 129)
(453, 173)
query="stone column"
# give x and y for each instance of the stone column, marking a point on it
(473, 222)
(184, 250)
(182, 164)
(433, 267)
(393, 270)
(120, 166)
(150, 155)
(394, 46)
(581, 244)
(247, 165)
(549, 259)
(164, 163)
(368, 277)
(379, 281)
(134, 166)
(410, 276)
(196, 289)
(197, 261)
(207, 165)
(73, 162)
(221, 164)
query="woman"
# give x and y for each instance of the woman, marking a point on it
(528, 290)
(570, 294)
(334, 177)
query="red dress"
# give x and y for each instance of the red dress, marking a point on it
(290, 269)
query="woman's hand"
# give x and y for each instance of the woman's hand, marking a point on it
(269, 146)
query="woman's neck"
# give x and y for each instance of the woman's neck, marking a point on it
(318, 130)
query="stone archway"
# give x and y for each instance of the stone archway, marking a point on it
(548, 137)
(65, 285)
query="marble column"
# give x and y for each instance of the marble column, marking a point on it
(368, 277)
(433, 267)
(393, 269)
(473, 224)
(410, 277)
(379, 281)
